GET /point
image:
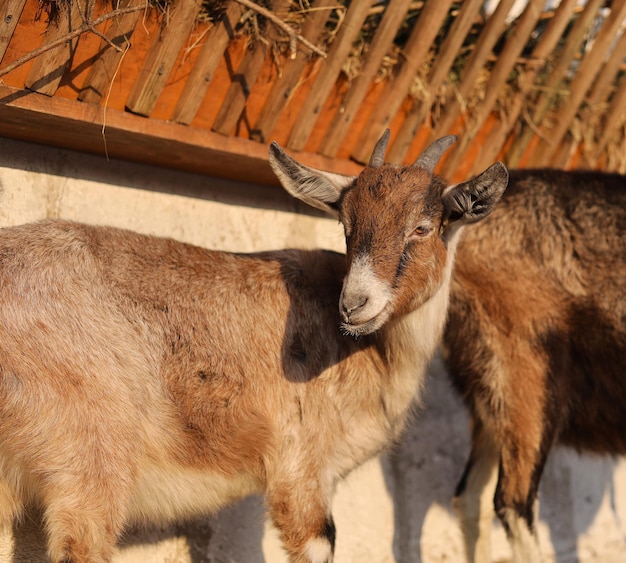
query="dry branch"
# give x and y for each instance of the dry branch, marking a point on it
(88, 26)
(293, 35)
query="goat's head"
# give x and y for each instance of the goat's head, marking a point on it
(400, 224)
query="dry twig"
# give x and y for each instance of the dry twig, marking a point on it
(293, 35)
(88, 26)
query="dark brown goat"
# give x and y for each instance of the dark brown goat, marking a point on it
(146, 379)
(536, 343)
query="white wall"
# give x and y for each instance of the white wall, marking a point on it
(393, 509)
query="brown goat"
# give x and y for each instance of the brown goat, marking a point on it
(536, 343)
(142, 379)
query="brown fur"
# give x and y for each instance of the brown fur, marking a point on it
(536, 338)
(146, 379)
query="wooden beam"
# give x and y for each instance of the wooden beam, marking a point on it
(162, 56)
(10, 12)
(61, 122)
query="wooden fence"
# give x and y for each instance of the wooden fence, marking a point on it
(525, 82)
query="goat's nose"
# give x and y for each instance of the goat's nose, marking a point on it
(351, 304)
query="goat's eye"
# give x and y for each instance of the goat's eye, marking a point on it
(420, 231)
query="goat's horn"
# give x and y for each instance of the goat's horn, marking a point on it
(378, 155)
(430, 157)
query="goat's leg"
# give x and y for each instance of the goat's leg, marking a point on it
(83, 475)
(519, 520)
(84, 511)
(301, 512)
(516, 501)
(11, 505)
(78, 534)
(473, 500)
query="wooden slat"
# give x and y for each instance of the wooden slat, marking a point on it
(614, 118)
(291, 72)
(559, 69)
(47, 70)
(497, 81)
(566, 150)
(10, 12)
(593, 106)
(483, 48)
(547, 44)
(392, 18)
(445, 59)
(162, 56)
(216, 42)
(71, 124)
(327, 77)
(396, 91)
(104, 67)
(581, 83)
(607, 77)
(244, 78)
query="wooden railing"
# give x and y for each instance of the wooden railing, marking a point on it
(532, 87)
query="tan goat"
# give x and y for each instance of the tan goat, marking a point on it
(536, 343)
(142, 379)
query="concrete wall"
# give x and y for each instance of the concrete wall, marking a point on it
(396, 508)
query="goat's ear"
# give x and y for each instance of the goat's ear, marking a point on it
(473, 200)
(317, 188)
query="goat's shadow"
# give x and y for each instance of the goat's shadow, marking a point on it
(198, 541)
(424, 468)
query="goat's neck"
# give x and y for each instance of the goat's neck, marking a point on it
(410, 342)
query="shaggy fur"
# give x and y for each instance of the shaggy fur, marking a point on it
(536, 341)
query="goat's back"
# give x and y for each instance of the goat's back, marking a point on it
(541, 284)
